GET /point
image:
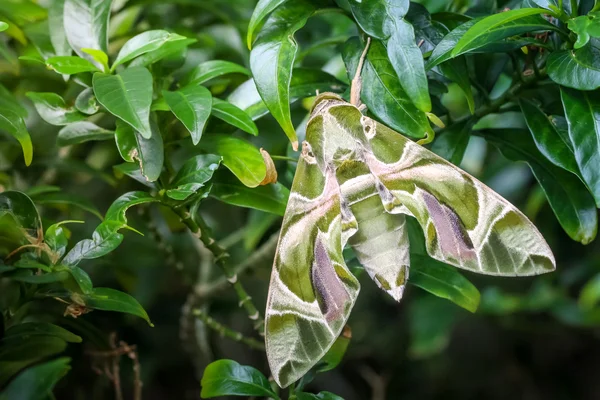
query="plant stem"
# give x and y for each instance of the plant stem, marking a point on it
(201, 230)
(228, 332)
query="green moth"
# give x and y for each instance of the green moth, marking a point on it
(356, 183)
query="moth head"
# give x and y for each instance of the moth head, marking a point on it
(323, 100)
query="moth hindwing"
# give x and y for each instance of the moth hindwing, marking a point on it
(357, 182)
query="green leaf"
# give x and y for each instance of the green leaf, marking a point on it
(144, 43)
(56, 25)
(452, 143)
(590, 293)
(500, 26)
(28, 263)
(570, 200)
(261, 11)
(23, 12)
(443, 281)
(272, 60)
(113, 300)
(271, 198)
(455, 71)
(106, 237)
(582, 110)
(192, 106)
(41, 279)
(37, 382)
(239, 156)
(443, 51)
(382, 92)
(70, 65)
(128, 96)
(577, 69)
(407, 61)
(149, 153)
(3, 26)
(377, 17)
(86, 102)
(83, 131)
(12, 123)
(320, 396)
(167, 50)
(233, 115)
(212, 69)
(193, 175)
(86, 26)
(227, 377)
(585, 26)
(71, 199)
(547, 138)
(305, 83)
(53, 110)
(56, 238)
(99, 56)
(29, 329)
(132, 171)
(8, 101)
(21, 208)
(27, 352)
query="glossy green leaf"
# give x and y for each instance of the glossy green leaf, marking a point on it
(547, 138)
(193, 175)
(270, 198)
(83, 131)
(443, 50)
(577, 69)
(261, 11)
(227, 377)
(239, 156)
(192, 106)
(57, 239)
(106, 237)
(107, 299)
(382, 92)
(443, 281)
(452, 143)
(12, 123)
(37, 382)
(41, 279)
(213, 69)
(58, 36)
(28, 329)
(377, 17)
(144, 43)
(585, 26)
(3, 26)
(149, 153)
(128, 96)
(99, 56)
(86, 102)
(407, 61)
(272, 60)
(23, 210)
(132, 171)
(70, 65)
(582, 110)
(305, 83)
(53, 109)
(86, 26)
(165, 51)
(570, 200)
(67, 199)
(233, 115)
(500, 26)
(320, 396)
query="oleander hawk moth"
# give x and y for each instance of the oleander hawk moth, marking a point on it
(356, 183)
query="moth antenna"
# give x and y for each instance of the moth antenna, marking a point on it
(357, 81)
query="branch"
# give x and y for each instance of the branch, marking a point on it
(201, 230)
(228, 332)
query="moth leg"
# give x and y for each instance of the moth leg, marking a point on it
(357, 80)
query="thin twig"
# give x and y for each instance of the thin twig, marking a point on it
(228, 332)
(201, 230)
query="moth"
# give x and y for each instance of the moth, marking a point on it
(356, 183)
